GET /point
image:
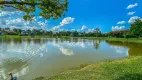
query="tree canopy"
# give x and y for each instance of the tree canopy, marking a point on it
(53, 9)
(136, 28)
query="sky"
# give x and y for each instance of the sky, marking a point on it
(82, 15)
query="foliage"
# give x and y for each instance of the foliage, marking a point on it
(118, 34)
(136, 28)
(41, 32)
(48, 8)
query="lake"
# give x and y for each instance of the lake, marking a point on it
(31, 58)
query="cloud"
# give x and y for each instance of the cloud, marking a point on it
(9, 14)
(12, 27)
(117, 28)
(67, 20)
(132, 6)
(42, 24)
(55, 28)
(121, 22)
(84, 27)
(131, 13)
(91, 30)
(14, 20)
(65, 50)
(132, 19)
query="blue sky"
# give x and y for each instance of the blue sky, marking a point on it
(84, 15)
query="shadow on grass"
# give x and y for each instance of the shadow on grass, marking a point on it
(130, 77)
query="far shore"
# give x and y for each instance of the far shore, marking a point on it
(133, 40)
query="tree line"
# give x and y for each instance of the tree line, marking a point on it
(41, 32)
(135, 31)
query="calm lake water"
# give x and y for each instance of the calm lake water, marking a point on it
(31, 58)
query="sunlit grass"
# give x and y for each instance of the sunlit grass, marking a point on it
(126, 40)
(125, 69)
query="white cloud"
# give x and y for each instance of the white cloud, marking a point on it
(91, 30)
(131, 13)
(8, 13)
(84, 27)
(12, 27)
(42, 24)
(117, 28)
(67, 20)
(14, 21)
(66, 51)
(29, 27)
(121, 22)
(132, 6)
(56, 28)
(132, 19)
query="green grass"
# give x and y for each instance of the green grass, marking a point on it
(134, 40)
(124, 69)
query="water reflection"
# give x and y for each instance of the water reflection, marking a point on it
(16, 66)
(26, 57)
(96, 44)
(134, 49)
(64, 50)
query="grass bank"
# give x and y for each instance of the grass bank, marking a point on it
(133, 40)
(124, 69)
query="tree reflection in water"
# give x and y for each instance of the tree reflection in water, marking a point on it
(134, 48)
(96, 44)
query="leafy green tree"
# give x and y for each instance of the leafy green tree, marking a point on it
(53, 9)
(136, 28)
(97, 32)
(75, 34)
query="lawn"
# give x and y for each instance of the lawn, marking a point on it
(124, 69)
(134, 40)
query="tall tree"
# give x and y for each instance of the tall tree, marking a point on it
(97, 32)
(53, 9)
(136, 28)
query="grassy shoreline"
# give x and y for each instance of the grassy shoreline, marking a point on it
(123, 69)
